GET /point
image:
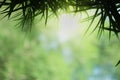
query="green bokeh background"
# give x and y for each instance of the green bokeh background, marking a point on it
(40, 54)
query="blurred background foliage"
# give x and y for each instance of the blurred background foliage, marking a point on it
(59, 51)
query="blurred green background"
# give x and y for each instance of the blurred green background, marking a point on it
(58, 51)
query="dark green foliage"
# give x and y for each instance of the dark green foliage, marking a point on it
(118, 63)
(107, 10)
(27, 10)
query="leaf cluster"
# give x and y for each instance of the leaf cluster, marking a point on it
(107, 10)
(27, 10)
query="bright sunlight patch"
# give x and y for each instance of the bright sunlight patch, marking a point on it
(68, 25)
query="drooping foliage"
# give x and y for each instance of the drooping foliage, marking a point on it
(27, 10)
